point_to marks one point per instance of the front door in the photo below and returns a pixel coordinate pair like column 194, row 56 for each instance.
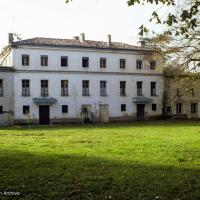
column 44, row 115
column 140, row 112
column 103, row 113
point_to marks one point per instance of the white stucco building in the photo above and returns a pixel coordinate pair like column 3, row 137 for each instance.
column 50, row 81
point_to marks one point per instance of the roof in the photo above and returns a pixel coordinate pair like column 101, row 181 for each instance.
column 76, row 43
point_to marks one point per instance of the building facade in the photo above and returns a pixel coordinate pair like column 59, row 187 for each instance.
column 48, row 81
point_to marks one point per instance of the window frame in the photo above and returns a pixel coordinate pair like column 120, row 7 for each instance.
column 44, row 89
column 139, row 64
column 139, row 89
column 154, row 107
column 85, row 90
column 103, row 63
column 84, row 59
column 122, row 63
column 65, row 109
column 123, row 107
column 103, row 88
column 66, row 61
column 64, row 90
column 179, row 109
column 122, row 88
column 153, row 89
column 25, row 89
column 44, row 61
column 25, row 108
column 25, row 62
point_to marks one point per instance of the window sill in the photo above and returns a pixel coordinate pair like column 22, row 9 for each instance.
column 104, row 95
column 86, row 95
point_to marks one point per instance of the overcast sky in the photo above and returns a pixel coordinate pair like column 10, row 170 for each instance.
column 54, row 18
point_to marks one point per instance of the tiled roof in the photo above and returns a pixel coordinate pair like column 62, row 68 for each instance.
column 76, row 43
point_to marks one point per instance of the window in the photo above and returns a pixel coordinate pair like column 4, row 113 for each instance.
column 193, row 108
column 139, row 64
column 192, row 91
column 103, row 88
column 122, row 88
column 102, row 62
column 178, row 92
column 1, row 109
column 25, row 87
column 64, row 108
column 44, row 88
column 26, row 110
column 154, row 107
column 64, row 61
column 123, row 107
column 64, row 87
column 178, row 108
column 85, row 88
column 44, row 60
column 1, row 87
column 153, row 65
column 153, row 88
column 85, row 62
column 139, row 88
column 25, row 60
column 122, row 63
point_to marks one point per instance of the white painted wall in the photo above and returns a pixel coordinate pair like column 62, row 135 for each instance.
column 75, row 98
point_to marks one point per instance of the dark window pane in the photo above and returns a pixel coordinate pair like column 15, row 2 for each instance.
column 139, row 64
column 102, row 62
column 26, row 110
column 1, row 109
column 85, row 62
column 25, row 60
column 64, row 61
column 123, row 107
column 44, row 60
column 122, row 63
column 64, row 108
column 154, row 107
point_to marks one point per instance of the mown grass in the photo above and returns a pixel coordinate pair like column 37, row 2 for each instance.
column 112, row 161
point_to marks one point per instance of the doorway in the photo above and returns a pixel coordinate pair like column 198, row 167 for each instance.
column 104, row 113
column 140, row 112
column 44, row 115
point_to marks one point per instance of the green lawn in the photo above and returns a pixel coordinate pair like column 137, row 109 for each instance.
column 113, row 161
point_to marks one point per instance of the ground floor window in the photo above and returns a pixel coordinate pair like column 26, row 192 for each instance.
column 26, row 110
column 64, row 108
column 123, row 107
column 178, row 108
column 1, row 109
column 193, row 108
column 154, row 107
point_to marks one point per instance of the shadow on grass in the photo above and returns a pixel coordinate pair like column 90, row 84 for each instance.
column 81, row 177
column 158, row 123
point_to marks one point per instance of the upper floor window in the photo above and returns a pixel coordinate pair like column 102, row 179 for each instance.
column 153, row 88
column 1, row 109
column 122, row 88
column 85, row 88
column 44, row 60
column 102, row 62
column 26, row 110
column 25, row 60
column 122, row 63
column 103, row 88
column 85, row 62
column 25, row 87
column 139, row 88
column 64, row 87
column 64, row 61
column 1, row 87
column 139, row 64
column 153, row 65
column 44, row 88
column 178, row 108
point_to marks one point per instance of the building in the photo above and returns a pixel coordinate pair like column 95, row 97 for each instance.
column 48, row 81
column 181, row 95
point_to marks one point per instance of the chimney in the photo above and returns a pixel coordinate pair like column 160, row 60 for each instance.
column 82, row 37
column 10, row 38
column 109, row 41
column 76, row 38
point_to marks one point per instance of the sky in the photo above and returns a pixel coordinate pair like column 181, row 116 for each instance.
column 56, row 19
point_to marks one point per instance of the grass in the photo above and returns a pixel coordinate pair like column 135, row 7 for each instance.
column 112, row 161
